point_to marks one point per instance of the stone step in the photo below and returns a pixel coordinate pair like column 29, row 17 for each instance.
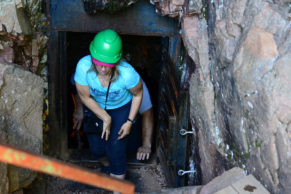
column 248, row 184
column 227, row 178
column 233, row 181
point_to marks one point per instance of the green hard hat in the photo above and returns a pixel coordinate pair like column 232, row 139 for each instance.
column 106, row 46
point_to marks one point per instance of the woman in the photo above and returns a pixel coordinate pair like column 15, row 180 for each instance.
column 112, row 90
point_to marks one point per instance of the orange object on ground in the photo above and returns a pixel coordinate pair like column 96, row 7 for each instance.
column 68, row 171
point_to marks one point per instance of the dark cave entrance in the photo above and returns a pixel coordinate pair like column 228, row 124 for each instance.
column 153, row 45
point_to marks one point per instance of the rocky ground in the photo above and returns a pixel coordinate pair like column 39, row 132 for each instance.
column 146, row 177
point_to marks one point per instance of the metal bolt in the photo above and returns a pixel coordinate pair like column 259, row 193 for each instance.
column 184, row 132
column 182, row 172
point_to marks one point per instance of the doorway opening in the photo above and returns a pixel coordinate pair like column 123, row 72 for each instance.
column 152, row 44
column 157, row 59
column 144, row 53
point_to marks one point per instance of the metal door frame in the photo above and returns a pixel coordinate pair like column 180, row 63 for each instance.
column 66, row 16
column 172, row 147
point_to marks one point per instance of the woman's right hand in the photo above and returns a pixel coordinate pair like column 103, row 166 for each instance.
column 106, row 127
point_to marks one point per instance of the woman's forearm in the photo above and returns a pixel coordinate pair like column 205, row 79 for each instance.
column 84, row 94
column 135, row 104
column 147, row 127
column 95, row 108
column 137, row 92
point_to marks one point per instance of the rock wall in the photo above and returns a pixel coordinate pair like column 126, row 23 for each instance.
column 250, row 47
column 21, row 103
column 4, row 183
column 174, row 8
column 93, row 7
column 241, row 89
column 22, row 34
column 252, row 89
column 22, row 42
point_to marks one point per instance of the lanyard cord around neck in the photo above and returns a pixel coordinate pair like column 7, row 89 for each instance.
column 108, row 90
column 108, row 86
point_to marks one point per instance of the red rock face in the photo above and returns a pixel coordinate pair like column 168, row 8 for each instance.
column 240, row 98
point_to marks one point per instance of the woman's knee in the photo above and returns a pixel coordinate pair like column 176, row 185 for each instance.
column 117, row 149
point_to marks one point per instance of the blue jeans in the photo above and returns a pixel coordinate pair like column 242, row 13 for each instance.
column 114, row 149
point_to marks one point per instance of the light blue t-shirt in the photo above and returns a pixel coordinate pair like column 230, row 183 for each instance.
column 119, row 93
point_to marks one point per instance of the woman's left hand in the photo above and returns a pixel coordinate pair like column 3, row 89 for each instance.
column 124, row 130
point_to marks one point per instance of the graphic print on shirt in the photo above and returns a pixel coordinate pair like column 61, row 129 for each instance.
column 115, row 94
column 97, row 93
